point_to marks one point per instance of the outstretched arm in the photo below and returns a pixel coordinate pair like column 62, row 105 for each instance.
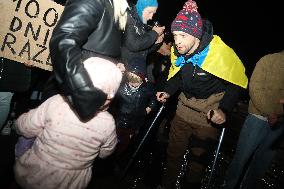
column 77, row 21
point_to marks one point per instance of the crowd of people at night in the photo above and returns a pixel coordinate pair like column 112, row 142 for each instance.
column 112, row 71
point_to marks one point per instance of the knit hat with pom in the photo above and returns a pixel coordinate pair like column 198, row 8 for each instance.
column 188, row 20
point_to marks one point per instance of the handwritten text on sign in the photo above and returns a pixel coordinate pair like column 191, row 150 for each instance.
column 26, row 30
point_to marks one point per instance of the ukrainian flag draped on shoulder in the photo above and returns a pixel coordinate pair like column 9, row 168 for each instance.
column 217, row 59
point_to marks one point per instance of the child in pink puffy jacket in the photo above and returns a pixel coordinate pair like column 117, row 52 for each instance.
column 62, row 154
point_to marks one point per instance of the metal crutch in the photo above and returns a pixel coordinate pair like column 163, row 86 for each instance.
column 142, row 141
column 215, row 158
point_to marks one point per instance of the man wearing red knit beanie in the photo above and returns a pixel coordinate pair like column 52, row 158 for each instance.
column 210, row 77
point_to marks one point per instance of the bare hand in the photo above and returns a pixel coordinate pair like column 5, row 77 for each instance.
column 28, row 64
column 162, row 96
column 121, row 67
column 159, row 29
column 165, row 49
column 219, row 117
column 160, row 39
column 148, row 110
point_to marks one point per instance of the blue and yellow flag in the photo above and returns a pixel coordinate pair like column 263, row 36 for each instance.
column 217, row 59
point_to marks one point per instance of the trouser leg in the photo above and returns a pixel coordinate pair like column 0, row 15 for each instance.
column 263, row 156
column 178, row 142
column 249, row 139
column 202, row 144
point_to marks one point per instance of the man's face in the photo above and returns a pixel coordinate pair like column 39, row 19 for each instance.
column 185, row 43
column 148, row 13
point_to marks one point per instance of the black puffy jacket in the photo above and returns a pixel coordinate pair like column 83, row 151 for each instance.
column 84, row 26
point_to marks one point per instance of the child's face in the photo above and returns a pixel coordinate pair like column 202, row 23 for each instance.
column 134, row 84
column 133, row 80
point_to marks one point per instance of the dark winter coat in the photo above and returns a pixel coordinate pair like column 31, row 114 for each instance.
column 138, row 39
column 86, row 28
column 129, row 107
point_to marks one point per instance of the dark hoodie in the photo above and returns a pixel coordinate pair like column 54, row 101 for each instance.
column 195, row 82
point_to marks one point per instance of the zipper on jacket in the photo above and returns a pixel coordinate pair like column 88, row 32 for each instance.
column 194, row 71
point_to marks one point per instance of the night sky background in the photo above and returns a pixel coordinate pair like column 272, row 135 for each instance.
column 252, row 28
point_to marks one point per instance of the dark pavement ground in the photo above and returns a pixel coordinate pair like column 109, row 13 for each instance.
column 145, row 172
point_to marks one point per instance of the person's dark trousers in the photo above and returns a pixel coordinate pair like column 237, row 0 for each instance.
column 202, row 141
column 255, row 149
column 263, row 156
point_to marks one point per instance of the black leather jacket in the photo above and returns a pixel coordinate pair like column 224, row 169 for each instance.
column 85, row 26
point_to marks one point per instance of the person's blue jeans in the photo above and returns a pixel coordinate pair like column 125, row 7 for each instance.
column 255, row 151
column 5, row 102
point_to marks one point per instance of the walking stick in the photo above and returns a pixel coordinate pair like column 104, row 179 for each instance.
column 142, row 141
column 215, row 158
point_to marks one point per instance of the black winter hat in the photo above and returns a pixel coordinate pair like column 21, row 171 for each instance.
column 137, row 65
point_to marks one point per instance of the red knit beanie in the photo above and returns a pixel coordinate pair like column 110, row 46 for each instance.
column 188, row 20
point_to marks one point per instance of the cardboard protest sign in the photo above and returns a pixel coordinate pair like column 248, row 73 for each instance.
column 26, row 28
